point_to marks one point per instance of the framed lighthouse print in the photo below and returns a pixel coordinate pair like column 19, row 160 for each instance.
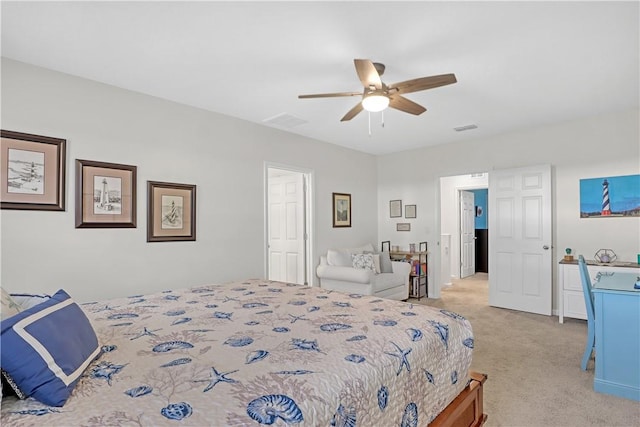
column 171, row 212
column 610, row 197
column 32, row 172
column 105, row 195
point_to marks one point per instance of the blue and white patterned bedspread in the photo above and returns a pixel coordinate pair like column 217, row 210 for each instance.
column 263, row 353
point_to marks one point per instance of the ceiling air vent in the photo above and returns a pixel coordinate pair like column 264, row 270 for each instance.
column 466, row 127
column 285, row 120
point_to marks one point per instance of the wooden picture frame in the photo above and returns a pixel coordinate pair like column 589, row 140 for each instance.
column 395, row 208
column 403, row 226
column 341, row 210
column 410, row 211
column 171, row 212
column 32, row 176
column 105, row 195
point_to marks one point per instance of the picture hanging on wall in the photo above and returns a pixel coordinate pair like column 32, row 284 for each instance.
column 105, row 195
column 341, row 210
column 403, row 226
column 171, row 212
column 410, row 211
column 395, row 208
column 610, row 197
column 33, row 172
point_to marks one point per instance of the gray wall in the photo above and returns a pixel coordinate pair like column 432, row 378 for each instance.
column 599, row 146
column 223, row 156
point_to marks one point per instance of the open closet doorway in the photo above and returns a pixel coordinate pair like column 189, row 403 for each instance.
column 288, row 223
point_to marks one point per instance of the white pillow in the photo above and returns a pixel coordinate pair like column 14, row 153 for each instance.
column 8, row 307
column 339, row 258
column 376, row 262
column 363, row 262
column 26, row 301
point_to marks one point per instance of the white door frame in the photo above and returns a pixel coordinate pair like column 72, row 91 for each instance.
column 308, row 216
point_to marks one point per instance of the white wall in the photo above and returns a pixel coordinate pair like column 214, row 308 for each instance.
column 223, row 156
column 599, row 146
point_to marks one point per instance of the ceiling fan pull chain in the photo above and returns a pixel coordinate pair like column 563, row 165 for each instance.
column 382, row 121
column 369, row 123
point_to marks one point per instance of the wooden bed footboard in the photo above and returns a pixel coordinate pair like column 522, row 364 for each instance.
column 466, row 410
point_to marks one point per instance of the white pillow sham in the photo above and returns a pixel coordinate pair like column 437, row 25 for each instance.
column 8, row 307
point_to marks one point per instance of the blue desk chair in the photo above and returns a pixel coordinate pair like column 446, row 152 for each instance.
column 588, row 302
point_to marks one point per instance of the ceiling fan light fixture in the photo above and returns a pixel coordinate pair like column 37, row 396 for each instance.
column 375, row 102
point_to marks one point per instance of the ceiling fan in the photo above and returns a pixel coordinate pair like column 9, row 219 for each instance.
column 377, row 96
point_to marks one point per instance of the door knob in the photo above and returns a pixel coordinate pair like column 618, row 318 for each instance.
column 545, row 247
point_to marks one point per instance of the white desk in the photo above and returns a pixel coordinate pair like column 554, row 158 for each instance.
column 570, row 296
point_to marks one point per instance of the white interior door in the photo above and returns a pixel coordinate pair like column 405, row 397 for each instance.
column 467, row 234
column 520, row 256
column 286, row 222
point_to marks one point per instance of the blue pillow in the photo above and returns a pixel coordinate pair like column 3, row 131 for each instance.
column 46, row 348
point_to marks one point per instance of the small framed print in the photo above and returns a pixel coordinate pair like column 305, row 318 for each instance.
column 403, row 226
column 341, row 210
column 410, row 211
column 395, row 208
column 33, row 172
column 171, row 210
column 386, row 246
column 105, row 195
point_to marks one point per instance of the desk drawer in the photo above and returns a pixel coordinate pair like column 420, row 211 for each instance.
column 574, row 305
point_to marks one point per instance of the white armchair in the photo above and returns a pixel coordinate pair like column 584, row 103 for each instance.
column 336, row 272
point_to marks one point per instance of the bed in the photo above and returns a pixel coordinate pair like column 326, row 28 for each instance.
column 267, row 353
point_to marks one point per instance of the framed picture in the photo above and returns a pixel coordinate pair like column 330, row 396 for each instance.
column 171, row 210
column 403, row 226
column 610, row 197
column 341, row 210
column 395, row 208
column 33, row 172
column 423, row 246
column 105, row 195
column 386, row 246
column 410, row 211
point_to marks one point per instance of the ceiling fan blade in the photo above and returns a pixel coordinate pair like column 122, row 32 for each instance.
column 352, row 113
column 367, row 73
column 403, row 104
column 423, row 83
column 330, row 95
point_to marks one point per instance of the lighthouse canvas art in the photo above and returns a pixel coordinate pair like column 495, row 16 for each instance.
column 610, row 197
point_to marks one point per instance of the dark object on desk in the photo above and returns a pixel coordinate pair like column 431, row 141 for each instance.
column 637, row 284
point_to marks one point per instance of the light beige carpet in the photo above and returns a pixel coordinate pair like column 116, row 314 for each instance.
column 533, row 364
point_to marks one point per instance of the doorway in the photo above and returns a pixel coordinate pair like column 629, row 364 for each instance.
column 288, row 223
column 520, row 234
column 458, row 194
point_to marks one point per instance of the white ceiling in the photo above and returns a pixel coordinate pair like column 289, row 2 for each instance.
column 518, row 64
